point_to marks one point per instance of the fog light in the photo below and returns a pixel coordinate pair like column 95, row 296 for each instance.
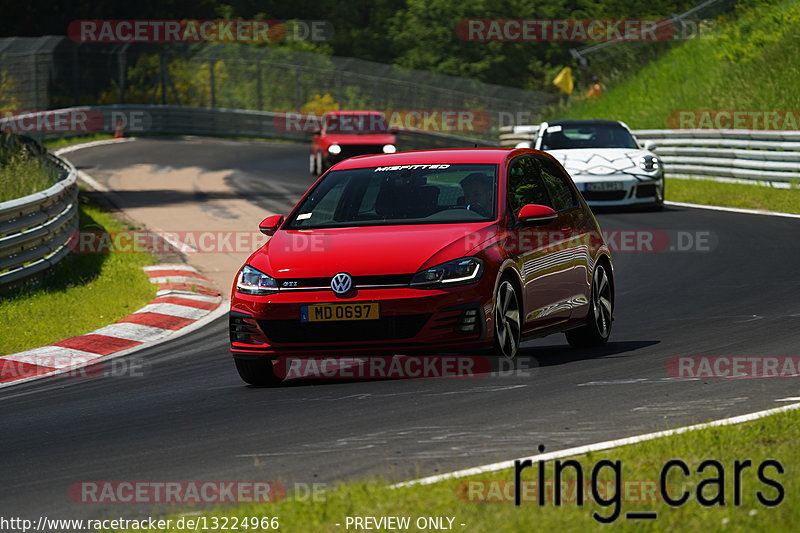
column 244, row 329
column 468, row 322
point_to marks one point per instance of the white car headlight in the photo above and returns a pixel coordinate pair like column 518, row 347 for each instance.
column 459, row 272
column 334, row 149
column 650, row 163
column 389, row 148
column 253, row 281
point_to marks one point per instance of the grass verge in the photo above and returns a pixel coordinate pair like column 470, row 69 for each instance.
column 21, row 175
column 55, row 144
column 774, row 437
column 84, row 292
column 733, row 195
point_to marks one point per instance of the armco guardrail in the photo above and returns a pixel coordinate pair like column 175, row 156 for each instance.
column 179, row 120
column 35, row 230
column 743, row 154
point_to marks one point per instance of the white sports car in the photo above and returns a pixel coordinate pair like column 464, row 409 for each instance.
column 604, row 159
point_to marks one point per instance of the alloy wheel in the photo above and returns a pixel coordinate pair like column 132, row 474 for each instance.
column 507, row 320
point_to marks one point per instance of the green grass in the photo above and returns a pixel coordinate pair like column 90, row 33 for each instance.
column 773, row 437
column 21, row 175
column 733, row 195
column 55, row 144
column 85, row 292
column 749, row 63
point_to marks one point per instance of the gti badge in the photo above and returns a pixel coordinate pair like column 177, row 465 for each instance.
column 341, row 283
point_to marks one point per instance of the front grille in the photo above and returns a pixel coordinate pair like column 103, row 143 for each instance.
column 387, row 328
column 604, row 196
column 647, row 190
column 358, row 281
column 350, row 150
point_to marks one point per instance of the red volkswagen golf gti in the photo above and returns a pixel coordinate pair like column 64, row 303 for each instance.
column 439, row 251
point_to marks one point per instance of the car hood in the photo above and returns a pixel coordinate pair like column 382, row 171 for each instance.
column 601, row 161
column 371, row 138
column 363, row 251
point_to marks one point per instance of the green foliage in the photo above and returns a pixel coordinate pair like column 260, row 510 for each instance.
column 424, row 37
column 320, row 104
column 414, row 33
column 22, row 174
column 750, row 62
column 763, row 26
column 8, row 86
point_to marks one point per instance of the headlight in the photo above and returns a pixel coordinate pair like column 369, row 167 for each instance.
column 459, row 272
column 252, row 281
column 334, row 149
column 649, row 163
column 389, row 148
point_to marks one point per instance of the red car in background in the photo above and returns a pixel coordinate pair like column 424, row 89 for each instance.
column 344, row 134
column 425, row 252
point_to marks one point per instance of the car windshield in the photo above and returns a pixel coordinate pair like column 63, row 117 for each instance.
column 590, row 136
column 401, row 194
column 356, row 123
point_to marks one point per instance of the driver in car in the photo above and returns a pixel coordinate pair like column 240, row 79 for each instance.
column 478, row 193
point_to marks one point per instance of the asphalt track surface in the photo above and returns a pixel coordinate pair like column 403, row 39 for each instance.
column 191, row 418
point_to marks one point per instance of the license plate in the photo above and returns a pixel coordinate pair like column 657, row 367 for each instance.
column 338, row 312
column 605, row 186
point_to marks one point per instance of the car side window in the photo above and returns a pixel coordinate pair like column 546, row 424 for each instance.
column 525, row 185
column 560, row 192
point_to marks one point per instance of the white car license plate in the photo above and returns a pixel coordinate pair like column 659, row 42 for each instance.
column 605, row 186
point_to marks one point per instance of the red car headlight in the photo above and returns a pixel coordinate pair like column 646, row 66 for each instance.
column 458, row 272
column 253, row 281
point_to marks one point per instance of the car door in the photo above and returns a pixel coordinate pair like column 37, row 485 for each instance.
column 573, row 235
column 538, row 250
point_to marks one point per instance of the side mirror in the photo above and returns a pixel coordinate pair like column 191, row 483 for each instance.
column 534, row 214
column 270, row 225
column 649, row 145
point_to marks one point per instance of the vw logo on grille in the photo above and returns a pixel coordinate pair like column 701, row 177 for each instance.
column 341, row 283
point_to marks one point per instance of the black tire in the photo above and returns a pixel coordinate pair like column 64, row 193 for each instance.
column 601, row 313
column 659, row 205
column 312, row 165
column 257, row 371
column 507, row 321
column 320, row 164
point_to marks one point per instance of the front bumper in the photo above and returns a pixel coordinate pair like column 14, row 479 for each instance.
column 412, row 321
column 624, row 190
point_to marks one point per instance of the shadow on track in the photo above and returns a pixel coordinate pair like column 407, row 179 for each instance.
column 562, row 354
column 480, row 365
